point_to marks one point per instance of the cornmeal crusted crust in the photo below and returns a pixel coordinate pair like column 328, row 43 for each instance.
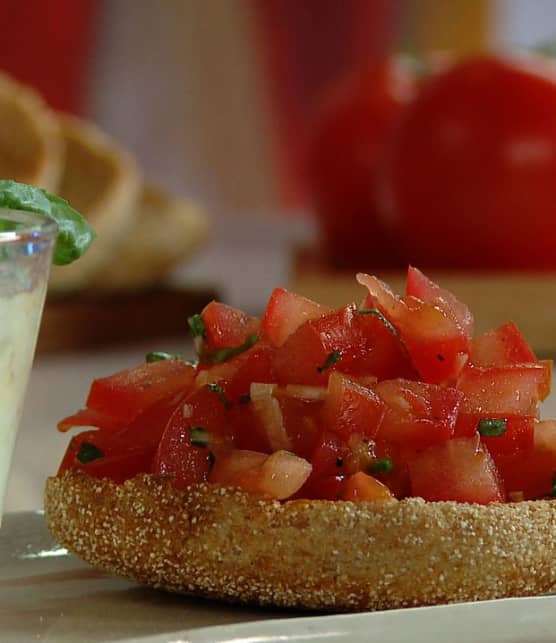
column 224, row 543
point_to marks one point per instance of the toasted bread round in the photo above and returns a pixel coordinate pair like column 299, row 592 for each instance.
column 166, row 231
column 31, row 150
column 227, row 544
column 102, row 182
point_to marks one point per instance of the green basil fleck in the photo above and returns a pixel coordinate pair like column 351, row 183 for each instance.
column 219, row 355
column 216, row 388
column 199, row 436
column 197, row 326
column 492, row 427
column 88, row 452
column 383, row 319
column 158, row 356
column 381, row 465
column 329, row 361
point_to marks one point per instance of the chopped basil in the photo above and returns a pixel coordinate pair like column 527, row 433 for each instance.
column 219, row 355
column 244, row 399
column 158, row 356
column 199, row 436
column 329, row 361
column 381, row 465
column 88, row 452
column 197, row 326
column 216, row 388
column 492, row 427
column 383, row 319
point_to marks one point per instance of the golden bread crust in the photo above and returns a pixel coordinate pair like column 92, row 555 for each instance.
column 227, row 544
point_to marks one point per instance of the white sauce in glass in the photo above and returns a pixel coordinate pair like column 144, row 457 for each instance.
column 20, row 316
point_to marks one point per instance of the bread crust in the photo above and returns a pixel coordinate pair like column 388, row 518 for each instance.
column 227, row 544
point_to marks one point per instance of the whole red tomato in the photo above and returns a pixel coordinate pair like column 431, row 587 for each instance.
column 350, row 132
column 471, row 182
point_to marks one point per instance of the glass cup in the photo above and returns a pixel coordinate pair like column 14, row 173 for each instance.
column 26, row 244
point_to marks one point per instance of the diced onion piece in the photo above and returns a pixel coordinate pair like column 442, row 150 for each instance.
column 283, row 474
column 268, row 411
column 302, row 392
column 237, row 467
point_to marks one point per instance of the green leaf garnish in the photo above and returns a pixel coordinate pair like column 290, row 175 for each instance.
column 329, row 361
column 199, row 436
column 381, row 465
column 381, row 316
column 492, row 427
column 216, row 388
column 158, row 356
column 219, row 355
column 88, row 452
column 197, row 326
column 244, row 399
column 75, row 234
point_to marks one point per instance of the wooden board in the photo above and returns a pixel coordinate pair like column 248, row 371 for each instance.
column 95, row 320
column 529, row 299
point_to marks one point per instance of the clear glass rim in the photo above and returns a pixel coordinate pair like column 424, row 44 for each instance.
column 33, row 226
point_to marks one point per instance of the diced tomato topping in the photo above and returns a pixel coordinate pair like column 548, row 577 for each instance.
column 499, row 390
column 330, row 456
column 437, row 345
column 286, row 312
column 460, row 469
column 88, row 417
column 421, row 287
column 106, row 454
column 418, row 414
column 501, row 346
column 344, row 340
column 227, row 327
column 532, row 473
column 361, row 486
column 351, row 408
column 388, row 400
column 324, row 488
column 125, row 395
column 237, row 467
column 177, row 455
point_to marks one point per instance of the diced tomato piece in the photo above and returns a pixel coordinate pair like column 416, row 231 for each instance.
column 231, row 468
column 227, row 327
column 418, row 415
column 361, row 486
column 322, row 488
column 358, row 344
column 330, row 456
column 500, row 347
column 351, row 408
column 437, row 345
column 460, row 469
column 302, row 421
column 88, row 417
column 517, row 438
column 421, row 287
column 532, row 473
column 120, row 457
column 255, row 365
column 125, row 395
column 176, row 456
column 501, row 390
column 279, row 475
column 285, row 312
